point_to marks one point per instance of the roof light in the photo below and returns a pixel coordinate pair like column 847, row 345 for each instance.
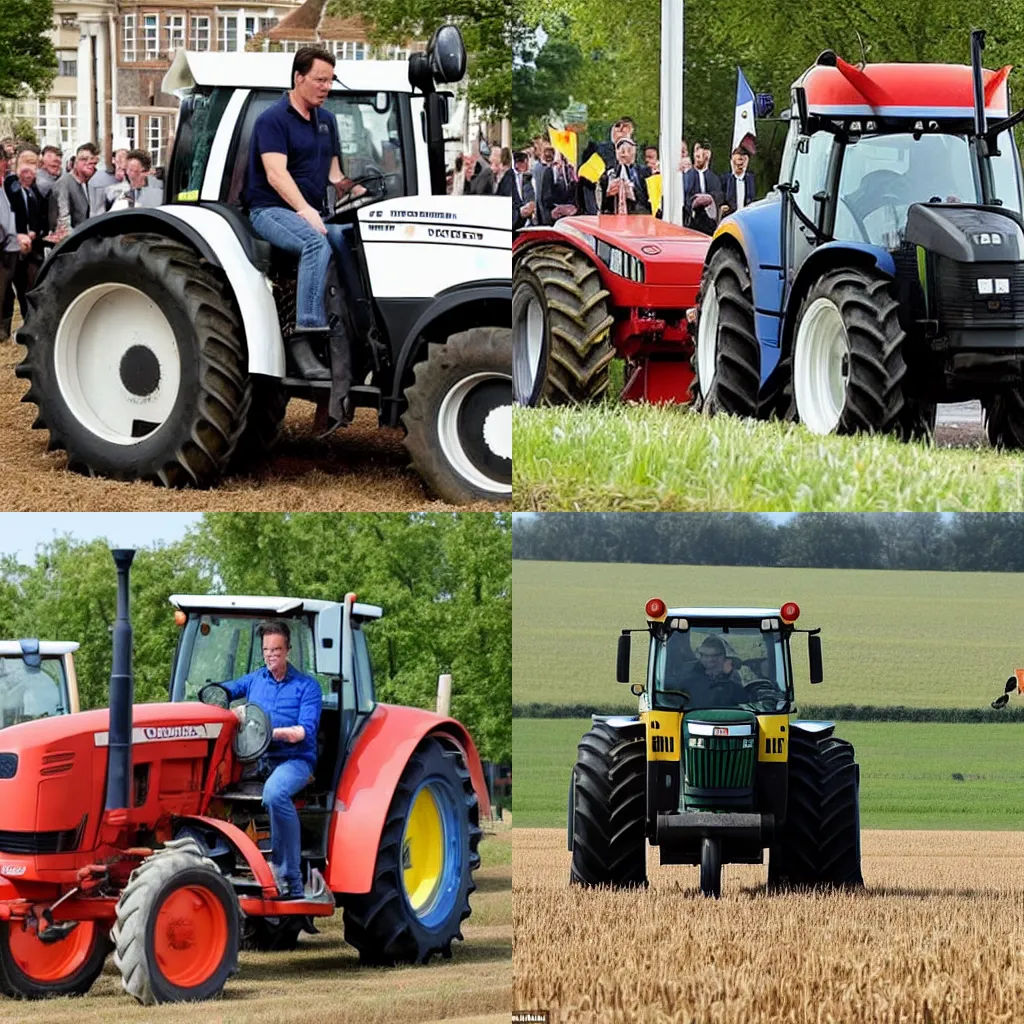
column 789, row 612
column 180, row 618
column 656, row 609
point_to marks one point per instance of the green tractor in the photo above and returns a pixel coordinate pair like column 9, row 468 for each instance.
column 715, row 768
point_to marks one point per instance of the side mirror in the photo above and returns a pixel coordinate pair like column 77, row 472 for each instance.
column 447, row 55
column 800, row 95
column 622, row 662
column 814, row 657
column 637, row 689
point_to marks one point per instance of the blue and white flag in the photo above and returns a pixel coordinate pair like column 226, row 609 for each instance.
column 744, row 131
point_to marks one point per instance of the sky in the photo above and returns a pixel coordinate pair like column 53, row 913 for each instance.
column 21, row 532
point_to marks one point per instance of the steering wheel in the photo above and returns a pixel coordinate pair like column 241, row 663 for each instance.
column 760, row 686
column 375, row 183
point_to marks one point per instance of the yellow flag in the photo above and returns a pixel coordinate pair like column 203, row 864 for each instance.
column 593, row 168
column 564, row 142
column 654, row 191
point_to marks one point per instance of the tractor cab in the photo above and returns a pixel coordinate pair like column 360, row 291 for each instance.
column 37, row 680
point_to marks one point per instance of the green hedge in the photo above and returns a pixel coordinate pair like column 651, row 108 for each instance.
column 831, row 712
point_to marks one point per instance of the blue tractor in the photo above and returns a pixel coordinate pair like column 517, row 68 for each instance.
column 883, row 274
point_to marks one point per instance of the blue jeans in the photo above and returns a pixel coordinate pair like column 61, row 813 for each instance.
column 286, row 230
column 287, row 778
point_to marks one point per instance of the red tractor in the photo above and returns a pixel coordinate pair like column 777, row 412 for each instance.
column 140, row 830
column 587, row 289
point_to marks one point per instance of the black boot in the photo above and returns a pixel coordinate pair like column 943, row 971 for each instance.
column 304, row 357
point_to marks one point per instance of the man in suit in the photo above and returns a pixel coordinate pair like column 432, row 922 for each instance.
column 738, row 188
column 524, row 206
column 135, row 190
column 31, row 218
column 69, row 199
column 703, row 192
column 624, row 184
column 558, row 190
column 51, row 165
column 501, row 168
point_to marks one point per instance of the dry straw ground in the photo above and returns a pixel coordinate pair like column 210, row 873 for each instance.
column 357, row 469
column 936, row 937
column 322, row 982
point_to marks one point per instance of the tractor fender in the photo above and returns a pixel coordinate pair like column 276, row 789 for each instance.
column 813, row 728
column 216, row 239
column 446, row 313
column 371, row 774
column 242, row 844
column 827, row 257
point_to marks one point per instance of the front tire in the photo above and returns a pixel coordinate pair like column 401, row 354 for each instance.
column 459, row 419
column 848, row 365
column 136, row 360
column 727, row 359
column 575, row 353
column 1004, row 419
column 30, row 969
column 609, row 844
column 423, row 877
column 177, row 929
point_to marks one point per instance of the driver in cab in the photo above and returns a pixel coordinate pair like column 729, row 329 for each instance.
column 713, row 681
column 292, row 702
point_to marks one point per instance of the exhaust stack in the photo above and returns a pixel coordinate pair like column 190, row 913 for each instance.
column 119, row 755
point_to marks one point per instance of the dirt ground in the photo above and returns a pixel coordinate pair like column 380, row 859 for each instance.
column 359, row 469
column 934, row 938
column 322, row 982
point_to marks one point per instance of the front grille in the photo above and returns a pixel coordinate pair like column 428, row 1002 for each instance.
column 63, row 841
column 8, row 766
column 961, row 305
column 722, row 763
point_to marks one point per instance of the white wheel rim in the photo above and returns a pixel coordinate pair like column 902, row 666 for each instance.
column 117, row 363
column 820, row 367
column 495, row 433
column 707, row 339
column 527, row 346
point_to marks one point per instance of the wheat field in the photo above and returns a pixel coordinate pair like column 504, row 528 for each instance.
column 935, row 937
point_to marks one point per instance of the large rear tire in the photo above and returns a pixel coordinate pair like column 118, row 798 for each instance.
column 820, row 842
column 423, row 876
column 177, row 931
column 608, row 807
column 1004, row 419
column 848, row 365
column 727, row 357
column 30, row 969
column 459, row 419
column 263, row 424
column 136, row 360
column 574, row 349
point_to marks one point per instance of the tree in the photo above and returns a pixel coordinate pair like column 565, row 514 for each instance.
column 486, row 27
column 542, row 78
column 27, row 58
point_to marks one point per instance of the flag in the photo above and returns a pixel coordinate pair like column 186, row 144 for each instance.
column 593, row 164
column 564, row 142
column 744, row 131
column 654, row 192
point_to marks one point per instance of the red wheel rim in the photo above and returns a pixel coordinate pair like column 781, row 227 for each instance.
column 51, row 962
column 190, row 936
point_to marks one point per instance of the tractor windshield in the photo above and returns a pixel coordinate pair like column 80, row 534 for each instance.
column 721, row 666
column 219, row 648
column 27, row 693
column 882, row 175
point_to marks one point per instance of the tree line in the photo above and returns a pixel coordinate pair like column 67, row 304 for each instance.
column 963, row 542
column 443, row 580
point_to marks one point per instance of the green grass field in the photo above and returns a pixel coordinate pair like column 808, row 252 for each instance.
column 906, row 773
column 921, row 639
column 645, row 458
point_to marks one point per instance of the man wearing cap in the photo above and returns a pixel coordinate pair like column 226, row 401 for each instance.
column 622, row 186
column 713, row 680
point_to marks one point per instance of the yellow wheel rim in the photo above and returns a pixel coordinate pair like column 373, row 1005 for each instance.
column 423, row 851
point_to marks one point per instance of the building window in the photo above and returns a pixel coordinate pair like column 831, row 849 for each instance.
column 154, row 139
column 131, row 132
column 289, row 46
column 266, row 24
column 69, row 21
column 66, row 122
column 67, row 63
column 350, row 51
column 175, row 33
column 200, row 33
column 250, row 28
column 395, row 53
column 151, row 35
column 227, row 37
column 129, row 38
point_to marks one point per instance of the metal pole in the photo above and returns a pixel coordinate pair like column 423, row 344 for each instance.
column 671, row 121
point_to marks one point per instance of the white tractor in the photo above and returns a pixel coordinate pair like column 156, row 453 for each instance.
column 37, row 680
column 156, row 337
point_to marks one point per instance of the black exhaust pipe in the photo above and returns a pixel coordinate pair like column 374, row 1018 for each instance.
column 988, row 188
column 119, row 753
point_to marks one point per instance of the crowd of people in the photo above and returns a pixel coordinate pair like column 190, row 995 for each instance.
column 43, row 198
column 614, row 175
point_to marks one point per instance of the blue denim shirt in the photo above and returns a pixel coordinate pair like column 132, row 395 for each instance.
column 296, row 700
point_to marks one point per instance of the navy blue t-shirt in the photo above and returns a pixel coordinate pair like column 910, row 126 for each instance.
column 308, row 145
